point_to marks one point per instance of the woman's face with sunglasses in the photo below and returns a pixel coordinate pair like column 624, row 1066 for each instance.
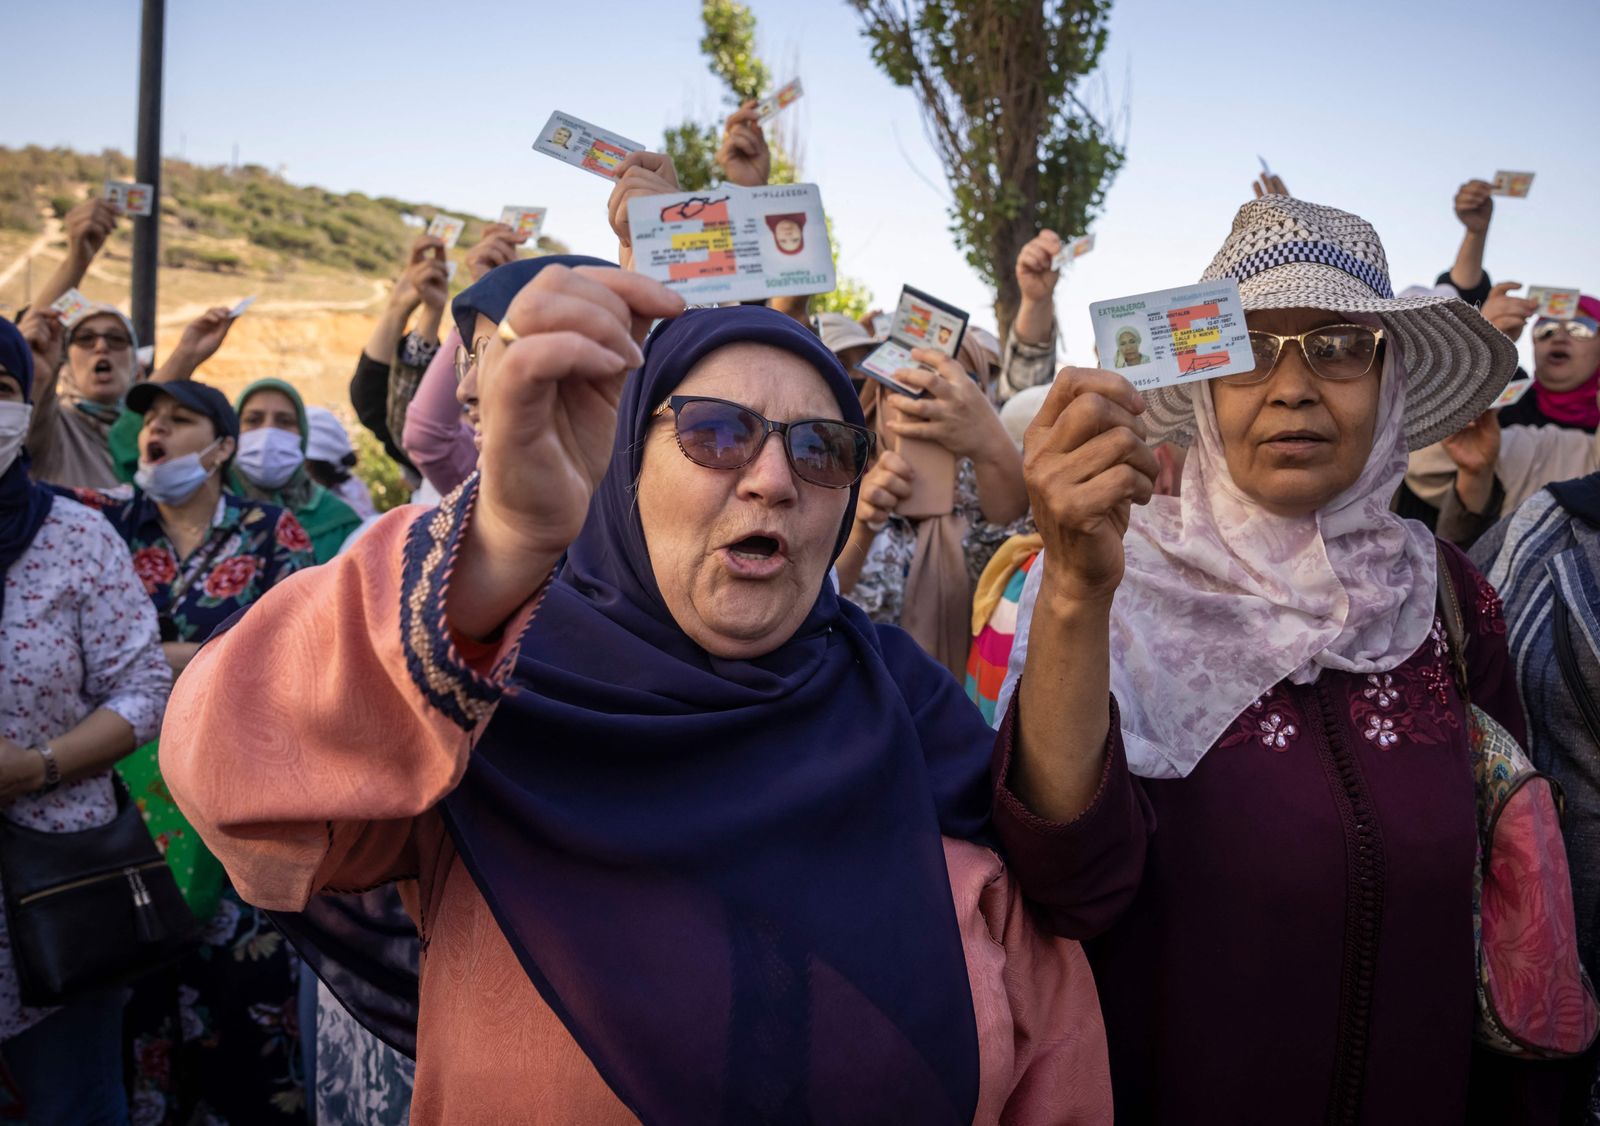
column 1565, row 353
column 740, row 553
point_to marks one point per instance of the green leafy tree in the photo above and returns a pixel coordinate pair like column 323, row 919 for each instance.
column 729, row 45
column 998, row 82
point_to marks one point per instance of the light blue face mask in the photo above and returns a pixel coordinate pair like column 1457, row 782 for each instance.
column 175, row 480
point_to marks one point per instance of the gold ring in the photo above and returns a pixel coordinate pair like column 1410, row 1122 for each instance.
column 506, row 332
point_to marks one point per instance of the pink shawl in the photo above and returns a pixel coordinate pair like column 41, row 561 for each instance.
column 1222, row 600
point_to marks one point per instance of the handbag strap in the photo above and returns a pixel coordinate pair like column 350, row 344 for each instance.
column 1455, row 629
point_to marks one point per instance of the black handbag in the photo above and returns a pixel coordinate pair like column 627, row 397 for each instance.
column 91, row 909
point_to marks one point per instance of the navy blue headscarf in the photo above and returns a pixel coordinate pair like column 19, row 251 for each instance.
column 491, row 294
column 23, row 505
column 726, row 877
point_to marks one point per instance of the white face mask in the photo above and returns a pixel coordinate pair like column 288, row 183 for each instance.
column 175, row 480
column 268, row 457
column 14, row 419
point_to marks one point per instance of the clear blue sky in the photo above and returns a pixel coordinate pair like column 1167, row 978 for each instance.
column 1379, row 106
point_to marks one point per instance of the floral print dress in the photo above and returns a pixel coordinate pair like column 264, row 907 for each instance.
column 216, row 1041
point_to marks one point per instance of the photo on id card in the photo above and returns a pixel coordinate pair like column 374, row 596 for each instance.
column 920, row 321
column 1172, row 336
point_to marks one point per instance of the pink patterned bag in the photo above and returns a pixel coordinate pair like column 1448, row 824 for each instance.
column 1534, row 998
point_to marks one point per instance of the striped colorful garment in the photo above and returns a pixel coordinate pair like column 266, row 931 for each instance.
column 994, row 619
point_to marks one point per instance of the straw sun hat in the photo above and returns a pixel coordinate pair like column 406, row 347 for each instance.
column 1286, row 253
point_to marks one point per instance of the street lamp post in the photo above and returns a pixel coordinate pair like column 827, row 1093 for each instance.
column 147, row 170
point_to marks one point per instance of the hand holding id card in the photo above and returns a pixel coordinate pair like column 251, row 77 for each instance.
column 1557, row 304
column 1514, row 184
column 1072, row 251
column 447, row 229
column 1174, row 336
column 734, row 244
column 574, row 141
column 71, row 305
column 771, row 106
column 525, row 222
column 920, row 321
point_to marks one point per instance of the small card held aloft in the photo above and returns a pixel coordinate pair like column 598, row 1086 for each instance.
column 129, row 198
column 920, row 321
column 734, row 244
column 527, row 222
column 1174, row 336
column 446, row 228
column 1514, row 391
column 1072, row 250
column 1559, row 304
column 71, row 305
column 576, row 142
column 1512, row 183
column 775, row 104
column 241, row 307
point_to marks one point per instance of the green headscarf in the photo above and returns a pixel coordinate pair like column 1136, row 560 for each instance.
column 326, row 519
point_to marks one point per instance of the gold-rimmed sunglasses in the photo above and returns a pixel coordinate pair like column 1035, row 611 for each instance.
column 1333, row 352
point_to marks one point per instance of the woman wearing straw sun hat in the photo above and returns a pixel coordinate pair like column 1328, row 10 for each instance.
column 1279, row 849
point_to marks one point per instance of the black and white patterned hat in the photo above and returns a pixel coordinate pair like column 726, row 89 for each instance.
column 1286, row 253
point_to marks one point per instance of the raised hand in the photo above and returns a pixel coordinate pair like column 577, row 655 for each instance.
column 886, row 484
column 953, row 411
column 641, row 174
column 548, row 403
column 1086, row 464
column 424, row 269
column 497, row 246
column 45, row 333
column 1507, row 313
column 1475, row 206
column 88, row 226
column 744, row 156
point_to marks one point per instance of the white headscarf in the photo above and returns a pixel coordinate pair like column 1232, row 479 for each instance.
column 1221, row 599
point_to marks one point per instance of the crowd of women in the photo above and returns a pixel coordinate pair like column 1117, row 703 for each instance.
column 654, row 766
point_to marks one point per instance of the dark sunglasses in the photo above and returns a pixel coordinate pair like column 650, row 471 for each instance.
column 1337, row 352
column 1579, row 328
column 722, row 435
column 115, row 341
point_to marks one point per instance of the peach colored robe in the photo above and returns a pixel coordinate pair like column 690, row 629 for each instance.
column 310, row 757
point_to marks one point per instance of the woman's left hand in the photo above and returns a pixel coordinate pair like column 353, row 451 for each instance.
column 21, row 770
column 953, row 411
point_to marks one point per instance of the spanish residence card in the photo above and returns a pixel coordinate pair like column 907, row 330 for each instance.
column 447, row 229
column 71, row 305
column 526, row 222
column 734, row 244
column 920, row 321
column 1174, row 336
column 129, row 198
column 775, row 104
column 1558, row 304
column 1511, row 183
column 1072, row 251
column 576, row 142
column 1514, row 391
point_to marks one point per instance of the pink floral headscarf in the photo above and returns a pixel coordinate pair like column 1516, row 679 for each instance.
column 1221, row 599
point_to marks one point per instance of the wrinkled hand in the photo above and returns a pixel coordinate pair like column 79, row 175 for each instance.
column 549, row 401
column 744, row 156
column 21, row 770
column 641, row 174
column 886, row 484
column 496, row 247
column 88, row 226
column 954, row 412
column 1086, row 464
column 1269, row 183
column 45, row 333
column 1476, row 447
column 1475, row 206
column 1036, row 276
column 1507, row 313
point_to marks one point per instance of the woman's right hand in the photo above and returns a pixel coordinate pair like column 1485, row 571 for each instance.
column 549, row 411
column 1086, row 464
column 886, row 484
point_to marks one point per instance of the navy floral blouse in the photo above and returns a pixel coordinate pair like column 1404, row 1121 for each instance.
column 252, row 547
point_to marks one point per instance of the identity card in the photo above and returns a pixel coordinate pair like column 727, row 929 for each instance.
column 240, row 307
column 1558, row 304
column 526, row 222
column 585, row 146
column 1512, row 183
column 129, row 198
column 1072, row 250
column 734, row 244
column 1514, row 391
column 446, row 228
column 775, row 104
column 71, row 305
column 920, row 321
column 1174, row 336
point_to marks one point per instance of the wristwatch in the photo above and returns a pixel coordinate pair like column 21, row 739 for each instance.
column 52, row 769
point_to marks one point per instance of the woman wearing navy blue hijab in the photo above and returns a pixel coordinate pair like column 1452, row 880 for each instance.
column 687, row 837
